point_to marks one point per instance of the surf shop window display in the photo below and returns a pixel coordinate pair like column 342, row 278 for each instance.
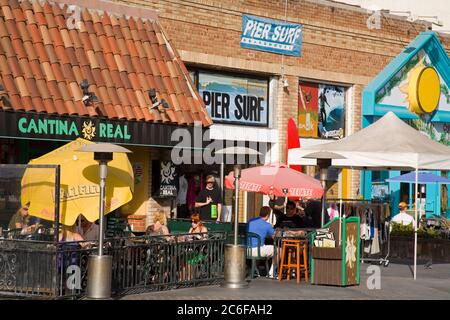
column 234, row 99
column 321, row 110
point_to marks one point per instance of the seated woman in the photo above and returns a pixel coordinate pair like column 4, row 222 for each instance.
column 158, row 227
column 197, row 227
column 19, row 219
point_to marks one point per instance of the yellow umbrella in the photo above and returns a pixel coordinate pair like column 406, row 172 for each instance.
column 80, row 188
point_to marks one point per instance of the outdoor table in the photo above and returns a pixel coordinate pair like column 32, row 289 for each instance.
column 288, row 234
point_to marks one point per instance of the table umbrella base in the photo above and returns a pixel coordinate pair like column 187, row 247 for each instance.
column 235, row 267
column 99, row 277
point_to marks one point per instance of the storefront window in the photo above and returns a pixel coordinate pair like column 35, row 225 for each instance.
column 321, row 110
column 234, row 99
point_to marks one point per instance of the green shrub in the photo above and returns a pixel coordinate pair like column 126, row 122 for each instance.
column 408, row 231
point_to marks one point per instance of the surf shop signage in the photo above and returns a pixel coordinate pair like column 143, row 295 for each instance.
column 56, row 128
column 234, row 99
column 271, row 35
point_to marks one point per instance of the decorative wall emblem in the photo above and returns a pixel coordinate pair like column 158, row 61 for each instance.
column 88, row 130
column 167, row 172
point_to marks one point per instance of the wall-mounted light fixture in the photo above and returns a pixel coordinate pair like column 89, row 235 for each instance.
column 88, row 97
column 4, row 98
column 155, row 102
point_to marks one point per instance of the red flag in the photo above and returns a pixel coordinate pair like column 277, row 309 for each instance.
column 293, row 141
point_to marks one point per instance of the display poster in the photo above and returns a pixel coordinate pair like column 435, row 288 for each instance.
column 138, row 172
column 308, row 95
column 321, row 110
column 380, row 192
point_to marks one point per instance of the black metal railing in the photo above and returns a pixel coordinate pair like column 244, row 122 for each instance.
column 27, row 268
column 140, row 264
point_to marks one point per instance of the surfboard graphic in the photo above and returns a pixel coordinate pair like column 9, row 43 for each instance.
column 292, row 141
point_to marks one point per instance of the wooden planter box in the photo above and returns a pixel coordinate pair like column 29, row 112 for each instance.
column 402, row 248
column 338, row 266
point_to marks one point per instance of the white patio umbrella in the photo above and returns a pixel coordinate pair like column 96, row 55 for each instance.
column 387, row 144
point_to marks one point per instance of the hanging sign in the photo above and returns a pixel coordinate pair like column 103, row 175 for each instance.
column 168, row 186
column 271, row 35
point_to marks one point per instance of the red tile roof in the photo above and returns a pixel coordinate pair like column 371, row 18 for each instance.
column 42, row 63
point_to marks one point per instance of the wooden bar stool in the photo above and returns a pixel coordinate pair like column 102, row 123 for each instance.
column 294, row 249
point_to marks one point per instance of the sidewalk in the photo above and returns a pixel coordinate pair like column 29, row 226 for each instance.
column 396, row 283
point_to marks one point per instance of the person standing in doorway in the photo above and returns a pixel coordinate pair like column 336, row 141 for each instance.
column 209, row 201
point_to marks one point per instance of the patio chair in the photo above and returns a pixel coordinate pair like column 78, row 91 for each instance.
column 257, row 257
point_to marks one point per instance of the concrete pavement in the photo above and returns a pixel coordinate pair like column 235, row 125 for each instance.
column 396, row 283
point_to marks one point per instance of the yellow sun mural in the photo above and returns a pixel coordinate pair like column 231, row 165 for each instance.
column 422, row 89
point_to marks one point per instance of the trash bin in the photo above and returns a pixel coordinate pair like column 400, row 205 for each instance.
column 338, row 266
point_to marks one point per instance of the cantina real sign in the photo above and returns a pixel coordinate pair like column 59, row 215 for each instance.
column 70, row 128
column 40, row 126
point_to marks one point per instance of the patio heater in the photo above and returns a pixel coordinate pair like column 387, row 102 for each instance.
column 324, row 162
column 235, row 264
column 100, row 265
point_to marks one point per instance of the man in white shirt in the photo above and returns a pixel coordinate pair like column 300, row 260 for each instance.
column 403, row 218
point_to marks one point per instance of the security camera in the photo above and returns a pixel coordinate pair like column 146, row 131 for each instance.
column 85, row 99
column 285, row 83
column 411, row 18
column 439, row 23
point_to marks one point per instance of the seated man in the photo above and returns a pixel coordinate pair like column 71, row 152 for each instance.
column 305, row 221
column 291, row 219
column 263, row 229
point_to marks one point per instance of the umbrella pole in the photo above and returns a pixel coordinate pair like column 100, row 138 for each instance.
column 103, row 173
column 222, row 179
column 415, row 225
column 323, row 180
column 340, row 223
column 57, row 200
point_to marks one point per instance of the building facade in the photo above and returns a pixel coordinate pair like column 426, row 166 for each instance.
column 343, row 48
